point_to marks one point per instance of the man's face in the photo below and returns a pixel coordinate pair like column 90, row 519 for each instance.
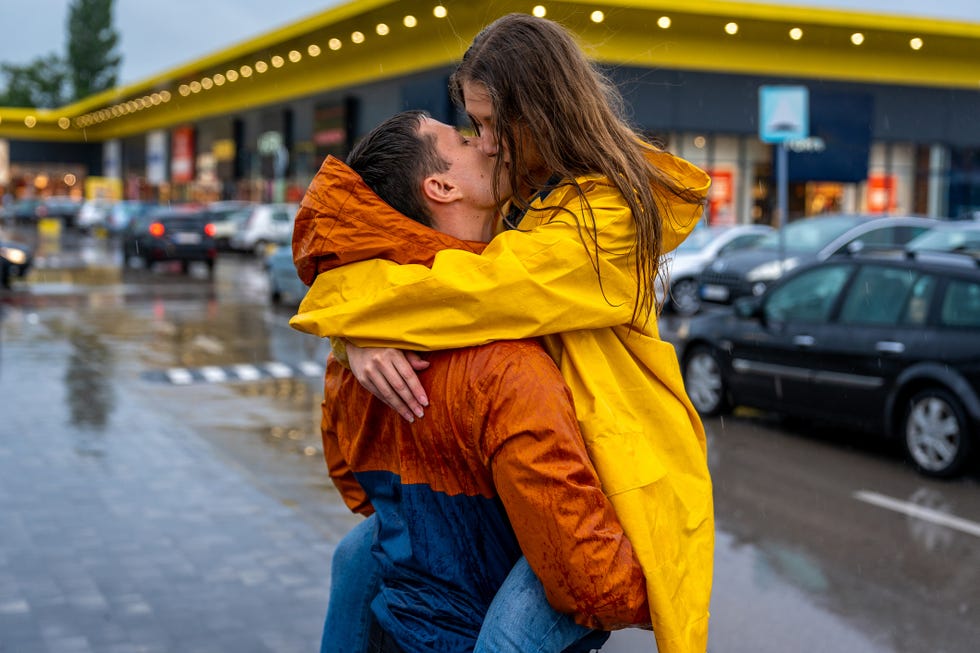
column 470, row 170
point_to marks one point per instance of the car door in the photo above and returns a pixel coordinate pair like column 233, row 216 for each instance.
column 773, row 364
column 881, row 328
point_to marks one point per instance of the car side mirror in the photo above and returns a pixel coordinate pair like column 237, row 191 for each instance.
column 749, row 307
column 855, row 247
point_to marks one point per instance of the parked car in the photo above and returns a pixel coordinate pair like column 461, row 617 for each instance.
column 748, row 272
column 285, row 286
column 172, row 234
column 228, row 217
column 60, row 206
column 961, row 237
column 265, row 225
column 890, row 345
column 24, row 210
column 93, row 214
column 684, row 264
column 124, row 211
column 15, row 260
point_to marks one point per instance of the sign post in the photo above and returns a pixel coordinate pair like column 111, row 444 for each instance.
column 784, row 115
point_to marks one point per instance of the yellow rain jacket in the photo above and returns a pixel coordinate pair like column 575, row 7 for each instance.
column 642, row 433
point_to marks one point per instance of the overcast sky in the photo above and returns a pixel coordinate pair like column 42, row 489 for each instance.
column 157, row 36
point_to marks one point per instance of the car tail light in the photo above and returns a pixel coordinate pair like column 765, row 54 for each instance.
column 209, row 229
column 157, row 229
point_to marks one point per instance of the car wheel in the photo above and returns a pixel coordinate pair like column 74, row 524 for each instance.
column 210, row 266
column 261, row 248
column 937, row 433
column 684, row 297
column 185, row 267
column 705, row 383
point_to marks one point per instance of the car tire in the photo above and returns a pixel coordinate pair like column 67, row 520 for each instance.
column 261, row 248
column 705, row 382
column 936, row 433
column 685, row 298
column 185, row 267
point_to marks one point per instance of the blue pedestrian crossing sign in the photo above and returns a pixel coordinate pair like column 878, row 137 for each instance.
column 784, row 113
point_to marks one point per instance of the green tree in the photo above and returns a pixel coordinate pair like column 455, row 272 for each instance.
column 93, row 61
column 41, row 83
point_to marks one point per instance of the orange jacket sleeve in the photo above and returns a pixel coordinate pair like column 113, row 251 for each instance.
column 566, row 526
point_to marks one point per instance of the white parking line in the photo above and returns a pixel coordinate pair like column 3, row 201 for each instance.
column 913, row 510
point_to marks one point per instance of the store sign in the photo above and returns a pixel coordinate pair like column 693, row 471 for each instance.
column 721, row 197
column 4, row 162
column 882, row 197
column 182, row 155
column 783, row 113
column 112, row 159
column 839, row 143
column 156, row 157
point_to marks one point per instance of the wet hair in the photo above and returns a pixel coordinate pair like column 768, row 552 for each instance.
column 394, row 158
column 542, row 85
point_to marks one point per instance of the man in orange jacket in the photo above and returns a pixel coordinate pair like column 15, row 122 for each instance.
column 497, row 467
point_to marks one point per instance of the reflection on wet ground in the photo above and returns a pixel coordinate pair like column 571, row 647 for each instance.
column 803, row 563
column 866, row 579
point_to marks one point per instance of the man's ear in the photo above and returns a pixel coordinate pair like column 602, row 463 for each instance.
column 439, row 189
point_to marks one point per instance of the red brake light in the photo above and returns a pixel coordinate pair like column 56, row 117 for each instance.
column 209, row 229
column 157, row 229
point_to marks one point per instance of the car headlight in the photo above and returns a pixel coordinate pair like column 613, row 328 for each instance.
column 14, row 255
column 772, row 270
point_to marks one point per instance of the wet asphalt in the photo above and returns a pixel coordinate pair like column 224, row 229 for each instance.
column 162, row 489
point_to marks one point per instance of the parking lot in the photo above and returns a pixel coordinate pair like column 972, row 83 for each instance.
column 162, row 488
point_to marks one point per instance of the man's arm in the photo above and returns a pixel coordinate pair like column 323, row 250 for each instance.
column 566, row 526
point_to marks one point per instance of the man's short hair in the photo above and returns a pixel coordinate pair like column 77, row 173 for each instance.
column 394, row 158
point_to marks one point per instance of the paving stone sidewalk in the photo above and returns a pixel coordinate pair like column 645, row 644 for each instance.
column 136, row 537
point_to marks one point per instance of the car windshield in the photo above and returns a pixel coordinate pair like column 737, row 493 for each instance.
column 958, row 239
column 810, row 235
column 698, row 240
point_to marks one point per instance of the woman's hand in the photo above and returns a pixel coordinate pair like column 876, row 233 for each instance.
column 390, row 375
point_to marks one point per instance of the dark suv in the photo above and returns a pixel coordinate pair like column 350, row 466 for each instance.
column 170, row 235
column 886, row 344
column 746, row 273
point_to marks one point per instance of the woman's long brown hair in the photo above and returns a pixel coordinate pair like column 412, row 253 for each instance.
column 542, row 86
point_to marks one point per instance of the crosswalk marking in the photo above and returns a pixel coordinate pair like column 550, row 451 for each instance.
column 213, row 374
column 179, row 376
column 236, row 373
column 279, row 370
column 247, row 372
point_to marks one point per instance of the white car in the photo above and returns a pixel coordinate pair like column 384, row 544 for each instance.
column 266, row 224
column 93, row 214
column 684, row 264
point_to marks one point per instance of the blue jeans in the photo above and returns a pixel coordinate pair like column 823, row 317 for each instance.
column 354, row 580
column 519, row 619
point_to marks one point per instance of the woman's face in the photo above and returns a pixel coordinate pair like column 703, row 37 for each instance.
column 479, row 107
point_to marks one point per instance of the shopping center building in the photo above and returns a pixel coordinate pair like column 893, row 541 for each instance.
column 893, row 103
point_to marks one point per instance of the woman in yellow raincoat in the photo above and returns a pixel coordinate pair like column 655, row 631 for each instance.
column 595, row 207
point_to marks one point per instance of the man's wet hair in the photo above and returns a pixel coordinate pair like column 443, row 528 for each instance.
column 394, row 158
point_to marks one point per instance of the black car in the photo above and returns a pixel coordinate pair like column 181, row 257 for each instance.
column 170, row 235
column 15, row 261
column 888, row 345
column 746, row 273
